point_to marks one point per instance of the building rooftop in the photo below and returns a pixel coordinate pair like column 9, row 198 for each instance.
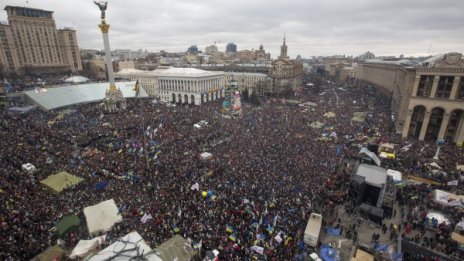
column 398, row 62
column 186, row 72
column 373, row 175
column 245, row 74
column 28, row 12
column 57, row 97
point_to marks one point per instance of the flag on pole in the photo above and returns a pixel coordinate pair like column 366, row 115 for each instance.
column 195, row 186
column 233, row 237
column 145, row 218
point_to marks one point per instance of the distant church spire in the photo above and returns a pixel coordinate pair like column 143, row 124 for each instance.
column 283, row 50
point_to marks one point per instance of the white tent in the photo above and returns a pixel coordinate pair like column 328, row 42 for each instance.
column 206, row 155
column 438, row 216
column 76, row 79
column 329, row 114
column 28, row 168
column 316, row 125
column 102, row 216
column 447, row 198
column 308, row 104
column 396, row 175
column 177, row 248
column 86, row 246
column 370, row 154
column 128, row 247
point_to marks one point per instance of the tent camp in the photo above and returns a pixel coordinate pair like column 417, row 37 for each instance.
column 68, row 224
column 329, row 114
column 308, row 104
column 396, row 175
column 447, row 198
column 53, row 253
column 316, row 125
column 176, row 248
column 439, row 217
column 28, row 168
column 362, row 256
column 206, row 155
column 84, row 247
column 359, row 116
column 371, row 155
column 60, row 181
column 130, row 247
column 102, row 216
column 77, row 79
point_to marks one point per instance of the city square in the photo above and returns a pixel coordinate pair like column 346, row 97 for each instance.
column 224, row 155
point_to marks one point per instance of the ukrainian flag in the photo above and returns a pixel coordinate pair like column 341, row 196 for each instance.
column 288, row 240
column 233, row 237
column 229, row 229
column 176, row 230
column 270, row 229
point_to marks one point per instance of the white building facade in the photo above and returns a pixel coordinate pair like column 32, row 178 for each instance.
column 147, row 79
column 190, row 86
column 246, row 80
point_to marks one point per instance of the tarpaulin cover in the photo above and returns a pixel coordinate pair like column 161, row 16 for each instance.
column 447, row 198
column 85, row 246
column 130, row 247
column 370, row 154
column 60, row 181
column 50, row 254
column 328, row 253
column 206, row 155
column 396, row 175
column 316, row 125
column 333, row 231
column 102, row 216
column 176, row 248
column 68, row 224
column 329, row 114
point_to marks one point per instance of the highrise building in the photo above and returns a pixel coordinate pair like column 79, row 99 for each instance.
column 211, row 50
column 231, row 48
column 193, row 49
column 30, row 43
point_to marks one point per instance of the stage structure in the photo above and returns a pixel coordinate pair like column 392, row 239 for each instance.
column 367, row 193
column 114, row 100
column 232, row 104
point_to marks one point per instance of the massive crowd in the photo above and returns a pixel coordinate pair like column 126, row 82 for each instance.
column 269, row 171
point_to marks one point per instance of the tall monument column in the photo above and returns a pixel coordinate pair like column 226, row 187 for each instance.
column 114, row 100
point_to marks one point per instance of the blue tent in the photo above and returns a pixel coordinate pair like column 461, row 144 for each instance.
column 328, row 253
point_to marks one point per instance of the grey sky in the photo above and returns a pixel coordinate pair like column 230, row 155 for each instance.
column 324, row 27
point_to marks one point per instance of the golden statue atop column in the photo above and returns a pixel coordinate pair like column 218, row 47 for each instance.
column 114, row 100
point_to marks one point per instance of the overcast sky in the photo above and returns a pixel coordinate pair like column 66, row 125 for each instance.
column 324, row 27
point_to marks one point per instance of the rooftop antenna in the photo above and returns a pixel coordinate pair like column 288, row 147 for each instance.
column 430, row 48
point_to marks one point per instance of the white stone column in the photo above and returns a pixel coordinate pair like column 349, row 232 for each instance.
column 455, row 87
column 104, row 27
column 415, row 86
column 436, row 79
column 444, row 125
column 459, row 136
column 425, row 124
column 407, row 124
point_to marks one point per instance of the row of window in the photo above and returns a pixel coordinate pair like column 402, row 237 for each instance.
column 189, row 85
column 444, row 87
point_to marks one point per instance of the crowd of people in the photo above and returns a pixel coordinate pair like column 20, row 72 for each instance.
column 269, row 171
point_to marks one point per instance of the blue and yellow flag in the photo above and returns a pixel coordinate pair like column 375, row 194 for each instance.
column 233, row 237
